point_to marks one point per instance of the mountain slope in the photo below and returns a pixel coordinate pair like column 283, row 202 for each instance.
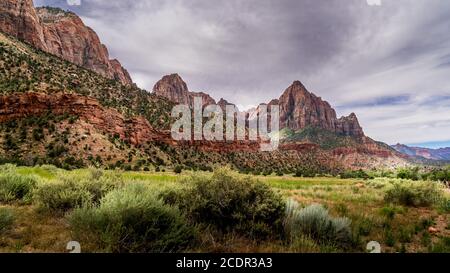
column 60, row 33
column 25, row 69
column 418, row 152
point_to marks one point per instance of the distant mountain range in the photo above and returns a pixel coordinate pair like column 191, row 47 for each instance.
column 442, row 154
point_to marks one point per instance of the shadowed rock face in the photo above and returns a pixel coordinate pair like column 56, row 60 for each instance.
column 60, row 33
column 300, row 109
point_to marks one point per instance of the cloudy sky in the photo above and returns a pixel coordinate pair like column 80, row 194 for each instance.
column 389, row 64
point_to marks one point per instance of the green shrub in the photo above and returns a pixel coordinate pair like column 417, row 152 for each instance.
column 439, row 174
column 132, row 219
column 101, row 185
column 315, row 222
column 389, row 237
column 61, row 196
column 6, row 219
column 405, row 235
column 305, row 172
column 74, row 192
column 230, row 202
column 356, row 174
column 412, row 174
column 178, row 169
column 416, row 194
column 15, row 187
column 365, row 226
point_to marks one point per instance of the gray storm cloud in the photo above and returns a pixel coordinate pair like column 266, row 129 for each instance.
column 360, row 58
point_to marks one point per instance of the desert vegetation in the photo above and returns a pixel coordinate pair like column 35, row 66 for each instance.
column 44, row 207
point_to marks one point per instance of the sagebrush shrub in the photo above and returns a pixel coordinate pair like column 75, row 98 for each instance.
column 6, row 219
column 99, row 185
column 315, row 222
column 417, row 194
column 61, row 196
column 132, row 219
column 73, row 192
column 230, row 202
column 15, row 187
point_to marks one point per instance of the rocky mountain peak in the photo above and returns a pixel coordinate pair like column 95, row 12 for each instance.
column 349, row 126
column 60, row 33
column 174, row 88
column 300, row 109
column 298, row 85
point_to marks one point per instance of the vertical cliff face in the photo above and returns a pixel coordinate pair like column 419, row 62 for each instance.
column 19, row 19
column 300, row 109
column 60, row 33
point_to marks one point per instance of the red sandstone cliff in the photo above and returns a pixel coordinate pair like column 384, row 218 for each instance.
column 60, row 33
column 299, row 109
column 109, row 121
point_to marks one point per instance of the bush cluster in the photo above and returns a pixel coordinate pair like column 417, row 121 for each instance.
column 416, row 194
column 70, row 192
column 15, row 187
column 135, row 220
column 315, row 222
column 231, row 203
column 356, row 174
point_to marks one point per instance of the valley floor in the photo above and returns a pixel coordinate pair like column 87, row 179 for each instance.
column 397, row 228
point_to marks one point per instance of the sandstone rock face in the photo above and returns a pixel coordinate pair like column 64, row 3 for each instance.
column 175, row 89
column 300, row 109
column 119, row 72
column 60, row 33
column 109, row 121
column 19, row 19
column 349, row 126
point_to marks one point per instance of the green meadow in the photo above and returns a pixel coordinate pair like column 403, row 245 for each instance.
column 43, row 208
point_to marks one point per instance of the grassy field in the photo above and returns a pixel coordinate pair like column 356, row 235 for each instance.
column 397, row 227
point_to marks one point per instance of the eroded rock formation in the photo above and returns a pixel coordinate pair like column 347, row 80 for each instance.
column 60, row 33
